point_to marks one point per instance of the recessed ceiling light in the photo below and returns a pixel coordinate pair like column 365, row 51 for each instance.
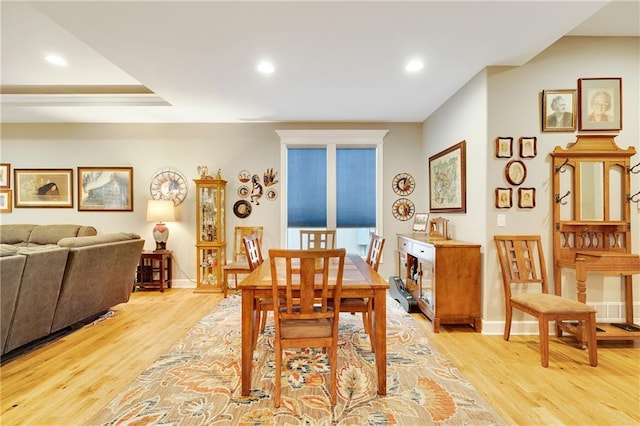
column 266, row 67
column 414, row 65
column 56, row 60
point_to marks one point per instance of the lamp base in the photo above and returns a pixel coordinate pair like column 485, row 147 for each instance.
column 160, row 235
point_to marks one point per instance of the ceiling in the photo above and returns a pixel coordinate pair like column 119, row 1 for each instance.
column 334, row 61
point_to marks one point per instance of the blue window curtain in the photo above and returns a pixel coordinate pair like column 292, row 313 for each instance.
column 307, row 187
column 356, row 187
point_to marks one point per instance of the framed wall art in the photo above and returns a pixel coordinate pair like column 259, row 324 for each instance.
column 420, row 222
column 528, row 147
column 504, row 147
column 448, row 180
column 526, row 198
column 559, row 110
column 5, row 175
column 105, row 188
column 515, row 172
column 5, row 201
column 600, row 103
column 503, row 198
column 43, row 187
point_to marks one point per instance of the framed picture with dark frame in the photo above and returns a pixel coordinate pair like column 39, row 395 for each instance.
column 526, row 198
column 5, row 201
column 600, row 103
column 5, row 175
column 504, row 147
column 43, row 188
column 420, row 222
column 528, row 147
column 448, row 180
column 105, row 188
column 503, row 198
column 515, row 172
column 559, row 110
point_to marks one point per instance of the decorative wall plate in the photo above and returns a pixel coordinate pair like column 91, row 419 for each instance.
column 244, row 176
column 243, row 191
column 403, row 209
column 169, row 184
column 272, row 194
column 403, row 184
column 242, row 209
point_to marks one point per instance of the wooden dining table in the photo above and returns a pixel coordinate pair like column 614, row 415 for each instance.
column 359, row 280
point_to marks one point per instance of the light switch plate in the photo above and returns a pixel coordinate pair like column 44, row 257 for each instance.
column 502, row 220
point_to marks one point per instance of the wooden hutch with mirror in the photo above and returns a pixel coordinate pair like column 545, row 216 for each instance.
column 592, row 222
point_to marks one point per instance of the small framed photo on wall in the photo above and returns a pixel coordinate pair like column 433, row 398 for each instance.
column 504, row 147
column 6, row 201
column 526, row 198
column 559, row 110
column 503, row 198
column 528, row 148
column 600, row 103
column 5, row 175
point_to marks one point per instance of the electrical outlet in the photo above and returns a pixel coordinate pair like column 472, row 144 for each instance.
column 502, row 220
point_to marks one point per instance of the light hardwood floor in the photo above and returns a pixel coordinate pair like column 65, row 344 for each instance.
column 67, row 381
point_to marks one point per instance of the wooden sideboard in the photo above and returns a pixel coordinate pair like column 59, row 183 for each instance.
column 444, row 277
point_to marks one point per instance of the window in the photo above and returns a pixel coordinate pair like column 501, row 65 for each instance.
column 331, row 181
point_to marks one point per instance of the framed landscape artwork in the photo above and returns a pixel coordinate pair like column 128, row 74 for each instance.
column 105, row 188
column 43, row 187
column 447, row 180
column 600, row 103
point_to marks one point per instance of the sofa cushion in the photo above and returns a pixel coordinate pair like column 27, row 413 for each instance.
column 36, row 249
column 97, row 239
column 51, row 234
column 8, row 250
column 15, row 233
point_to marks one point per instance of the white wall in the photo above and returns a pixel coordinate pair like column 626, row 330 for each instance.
column 513, row 109
column 230, row 147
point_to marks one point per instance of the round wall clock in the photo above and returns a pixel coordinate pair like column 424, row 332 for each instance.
column 169, row 184
column 403, row 184
column 403, row 209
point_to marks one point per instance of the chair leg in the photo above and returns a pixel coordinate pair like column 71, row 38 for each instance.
column 543, row 326
column 592, row 340
column 278, row 377
column 507, row 323
column 333, row 365
column 257, row 313
column 263, row 321
column 225, row 284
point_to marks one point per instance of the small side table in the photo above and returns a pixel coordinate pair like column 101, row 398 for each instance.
column 154, row 270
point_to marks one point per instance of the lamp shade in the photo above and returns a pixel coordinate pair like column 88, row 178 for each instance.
column 160, row 211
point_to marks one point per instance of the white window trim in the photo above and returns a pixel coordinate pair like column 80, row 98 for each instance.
column 329, row 139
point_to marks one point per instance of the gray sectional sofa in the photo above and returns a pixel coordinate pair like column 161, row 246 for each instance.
column 54, row 276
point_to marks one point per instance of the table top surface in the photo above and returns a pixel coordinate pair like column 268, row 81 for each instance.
column 357, row 274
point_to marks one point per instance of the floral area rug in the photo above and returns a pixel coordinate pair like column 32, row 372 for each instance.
column 198, row 381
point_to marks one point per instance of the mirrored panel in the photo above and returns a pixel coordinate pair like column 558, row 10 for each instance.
column 592, row 191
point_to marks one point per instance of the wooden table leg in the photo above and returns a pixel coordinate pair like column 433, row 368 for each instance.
column 380, row 327
column 247, row 339
column 628, row 298
column 581, row 284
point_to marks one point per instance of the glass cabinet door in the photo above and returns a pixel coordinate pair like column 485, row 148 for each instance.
column 208, row 224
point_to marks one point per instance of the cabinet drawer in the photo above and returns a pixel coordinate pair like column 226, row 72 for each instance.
column 404, row 245
column 422, row 251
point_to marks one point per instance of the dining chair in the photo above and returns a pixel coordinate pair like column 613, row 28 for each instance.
column 304, row 316
column 522, row 263
column 239, row 264
column 253, row 250
column 317, row 239
column 362, row 304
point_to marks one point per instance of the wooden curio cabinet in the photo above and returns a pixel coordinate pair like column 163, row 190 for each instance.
column 210, row 234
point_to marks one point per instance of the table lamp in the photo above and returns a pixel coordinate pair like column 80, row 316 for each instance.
column 160, row 211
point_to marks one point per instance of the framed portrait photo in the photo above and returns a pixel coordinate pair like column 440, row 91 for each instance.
column 528, row 147
column 105, row 188
column 5, row 201
column 559, row 110
column 526, row 198
column 504, row 147
column 600, row 103
column 43, row 187
column 515, row 172
column 503, row 198
column 448, row 180
column 5, row 175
